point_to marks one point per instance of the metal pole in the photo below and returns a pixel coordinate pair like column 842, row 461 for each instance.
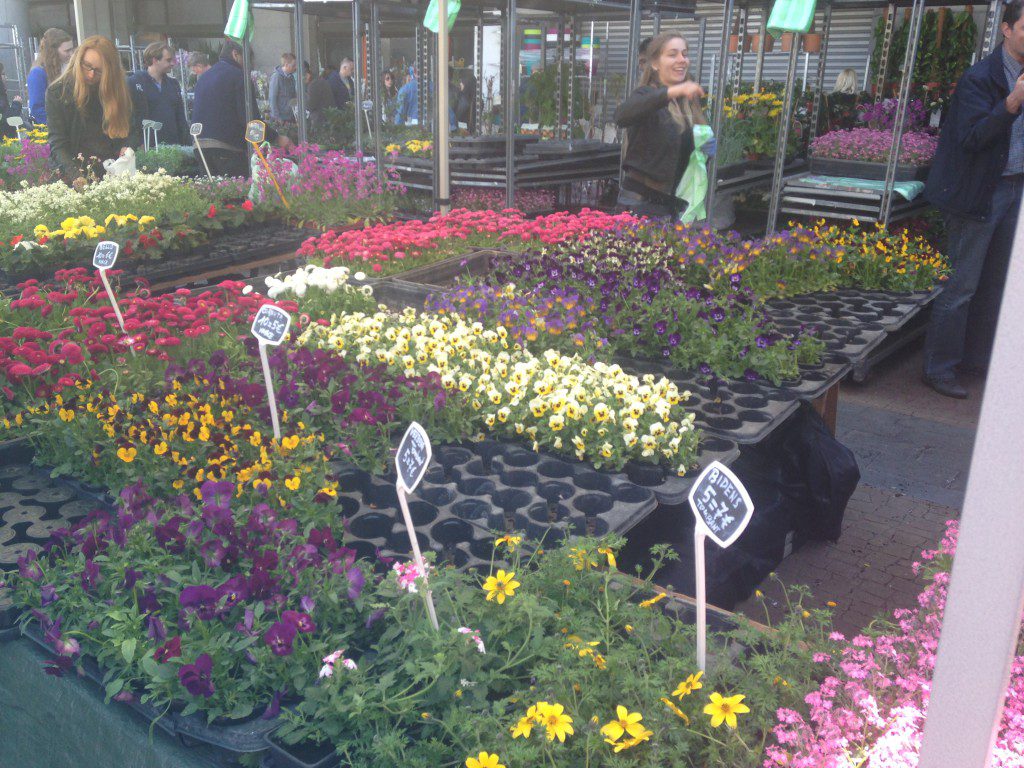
column 511, row 98
column 657, row 23
column 916, row 19
column 377, row 96
column 883, row 59
column 633, row 51
column 300, row 72
column 719, row 103
column 741, row 43
column 992, row 27
column 822, row 59
column 478, row 62
column 572, row 79
column 441, row 148
column 780, row 147
column 250, row 107
column 759, row 66
column 357, row 97
column 421, row 76
column 559, row 100
column 981, row 623
column 701, row 39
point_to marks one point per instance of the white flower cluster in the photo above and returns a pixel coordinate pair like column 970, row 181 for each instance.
column 327, row 279
column 596, row 411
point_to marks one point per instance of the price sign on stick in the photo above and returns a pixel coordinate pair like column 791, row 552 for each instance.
column 723, row 509
column 270, row 327
column 411, row 462
column 196, row 130
column 255, row 134
column 103, row 258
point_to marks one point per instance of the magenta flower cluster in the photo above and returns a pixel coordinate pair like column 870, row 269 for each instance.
column 871, row 709
column 871, row 145
column 882, row 115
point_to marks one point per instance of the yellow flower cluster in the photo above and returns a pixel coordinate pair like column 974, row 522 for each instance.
column 597, row 411
column 586, row 650
column 556, row 721
column 412, row 147
column 763, row 102
column 38, row 135
column 626, row 723
column 73, row 228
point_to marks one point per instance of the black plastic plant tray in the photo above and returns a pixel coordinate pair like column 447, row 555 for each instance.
column 232, row 739
column 741, row 411
column 849, row 334
column 816, row 380
column 447, row 272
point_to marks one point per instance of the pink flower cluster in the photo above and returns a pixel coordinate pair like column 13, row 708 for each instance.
column 327, row 670
column 409, row 240
column 407, row 574
column 474, row 635
column 477, row 199
column 871, row 710
column 870, row 145
column 327, row 173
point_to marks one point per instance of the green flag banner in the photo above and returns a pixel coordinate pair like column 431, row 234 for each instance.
column 240, row 22
column 432, row 18
column 791, row 16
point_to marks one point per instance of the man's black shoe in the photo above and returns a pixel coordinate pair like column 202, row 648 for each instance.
column 947, row 387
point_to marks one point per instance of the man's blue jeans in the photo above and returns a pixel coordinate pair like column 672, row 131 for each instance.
column 975, row 248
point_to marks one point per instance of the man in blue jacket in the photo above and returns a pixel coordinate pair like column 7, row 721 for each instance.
column 976, row 180
column 408, row 103
column 160, row 94
column 220, row 107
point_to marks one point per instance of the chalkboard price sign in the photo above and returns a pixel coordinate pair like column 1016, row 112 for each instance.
column 105, row 254
column 256, row 131
column 721, row 504
column 413, row 456
column 196, row 129
column 367, row 105
column 271, row 325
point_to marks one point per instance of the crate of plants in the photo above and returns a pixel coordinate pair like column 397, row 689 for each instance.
column 863, row 153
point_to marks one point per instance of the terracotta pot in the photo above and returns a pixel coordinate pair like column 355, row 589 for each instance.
column 734, row 43
column 786, row 42
column 769, row 43
column 812, row 42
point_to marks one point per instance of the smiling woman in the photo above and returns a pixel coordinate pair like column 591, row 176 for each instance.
column 659, row 117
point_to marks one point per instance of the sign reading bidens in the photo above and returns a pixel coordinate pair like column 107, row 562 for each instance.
column 271, row 325
column 413, row 456
column 721, row 504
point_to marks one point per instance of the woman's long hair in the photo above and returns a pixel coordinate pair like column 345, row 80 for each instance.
column 48, row 56
column 684, row 111
column 112, row 90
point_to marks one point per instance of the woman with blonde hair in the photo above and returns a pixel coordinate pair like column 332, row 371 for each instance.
column 659, row 117
column 55, row 49
column 90, row 111
column 840, row 112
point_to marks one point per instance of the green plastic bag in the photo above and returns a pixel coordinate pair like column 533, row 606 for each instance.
column 693, row 187
column 432, row 20
column 791, row 16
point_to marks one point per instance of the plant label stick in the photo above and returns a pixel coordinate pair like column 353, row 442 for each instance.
column 723, row 509
column 255, row 134
column 411, row 462
column 270, row 327
column 103, row 258
column 196, row 129
column 16, row 122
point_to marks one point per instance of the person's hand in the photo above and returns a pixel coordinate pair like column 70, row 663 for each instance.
column 688, row 90
column 78, row 184
column 709, row 147
column 1016, row 97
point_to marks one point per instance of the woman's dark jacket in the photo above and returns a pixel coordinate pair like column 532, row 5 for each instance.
column 974, row 143
column 73, row 132
column 656, row 152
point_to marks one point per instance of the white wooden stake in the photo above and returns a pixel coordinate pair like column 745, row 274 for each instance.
column 417, row 555
column 702, row 602
column 271, row 398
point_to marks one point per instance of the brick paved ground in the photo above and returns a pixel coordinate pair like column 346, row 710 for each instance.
column 913, row 447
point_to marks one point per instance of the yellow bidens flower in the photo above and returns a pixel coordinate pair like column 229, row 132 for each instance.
column 657, row 598
column 484, row 760
column 625, row 722
column 555, row 720
column 679, row 713
column 501, row 585
column 510, row 542
column 724, row 710
column 607, row 552
column 688, row 686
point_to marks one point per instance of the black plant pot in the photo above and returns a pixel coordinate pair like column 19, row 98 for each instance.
column 645, row 474
column 304, row 755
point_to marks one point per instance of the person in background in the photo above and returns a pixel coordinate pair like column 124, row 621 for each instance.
column 341, row 83
column 220, row 107
column 642, row 54
column 284, row 89
column 90, row 112
column 659, row 117
column 319, row 98
column 389, row 96
column 159, row 94
column 408, row 105
column 198, row 63
column 465, row 104
column 55, row 49
column 976, row 180
column 8, row 108
column 840, row 112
